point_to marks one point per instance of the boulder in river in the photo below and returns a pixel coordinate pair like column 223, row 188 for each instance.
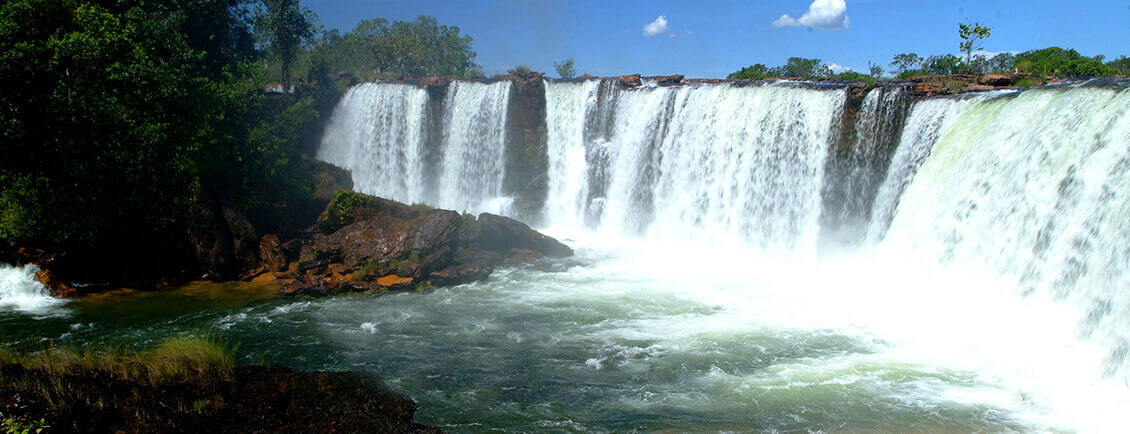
column 366, row 243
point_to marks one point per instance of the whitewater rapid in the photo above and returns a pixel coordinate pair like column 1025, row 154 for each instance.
column 21, row 292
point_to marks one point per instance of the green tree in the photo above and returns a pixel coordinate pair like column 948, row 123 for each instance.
column 808, row 69
column 121, row 118
column 971, row 36
column 1062, row 63
column 854, row 76
column 418, row 48
column 942, row 64
column 875, row 69
column 1001, row 63
column 753, row 72
column 284, row 26
column 1120, row 65
column 905, row 62
column 565, row 68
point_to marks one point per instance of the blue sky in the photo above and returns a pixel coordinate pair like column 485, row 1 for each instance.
column 713, row 38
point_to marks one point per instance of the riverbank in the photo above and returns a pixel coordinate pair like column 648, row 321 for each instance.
column 188, row 384
column 359, row 243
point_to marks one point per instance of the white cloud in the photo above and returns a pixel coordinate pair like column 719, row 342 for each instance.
column 822, row 14
column 837, row 68
column 657, row 27
column 990, row 54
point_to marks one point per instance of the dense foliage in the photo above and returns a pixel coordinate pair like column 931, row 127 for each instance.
column 1062, row 63
column 118, row 112
column 286, row 26
column 1053, row 61
column 121, row 119
column 565, row 69
column 796, row 67
column 379, row 49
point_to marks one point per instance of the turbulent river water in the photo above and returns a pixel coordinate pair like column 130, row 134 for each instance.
column 963, row 267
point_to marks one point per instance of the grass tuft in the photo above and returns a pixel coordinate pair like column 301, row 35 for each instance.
column 177, row 359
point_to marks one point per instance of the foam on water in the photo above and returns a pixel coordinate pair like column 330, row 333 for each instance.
column 19, row 291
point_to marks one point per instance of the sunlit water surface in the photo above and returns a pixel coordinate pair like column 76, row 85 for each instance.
column 645, row 336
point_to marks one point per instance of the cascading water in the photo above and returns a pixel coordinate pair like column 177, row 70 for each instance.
column 381, row 133
column 698, row 162
column 474, row 141
column 566, row 107
column 858, row 167
column 20, row 291
column 926, row 122
column 991, row 294
column 378, row 132
column 1031, row 190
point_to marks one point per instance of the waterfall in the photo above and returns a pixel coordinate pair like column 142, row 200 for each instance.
column 382, row 132
column 21, row 292
column 378, row 132
column 474, row 140
column 1032, row 191
column 566, row 108
column 858, row 166
column 1027, row 189
column 693, row 162
column 925, row 123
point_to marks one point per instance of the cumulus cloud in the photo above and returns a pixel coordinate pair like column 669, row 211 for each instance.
column 822, row 14
column 837, row 68
column 657, row 27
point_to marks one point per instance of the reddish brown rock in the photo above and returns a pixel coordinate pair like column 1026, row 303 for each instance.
column 436, row 81
column 930, row 88
column 58, row 287
column 629, row 81
column 458, row 274
column 368, row 243
column 272, row 256
column 667, row 80
column 998, row 79
column 394, row 281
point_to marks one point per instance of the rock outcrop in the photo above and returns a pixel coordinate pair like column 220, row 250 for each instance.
column 365, row 243
column 628, row 81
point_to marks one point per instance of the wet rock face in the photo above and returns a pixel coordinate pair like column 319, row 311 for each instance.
column 500, row 234
column 366, row 243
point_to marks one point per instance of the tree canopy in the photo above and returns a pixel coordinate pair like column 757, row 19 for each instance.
column 377, row 48
column 122, row 116
column 971, row 36
column 798, row 67
column 1062, row 63
column 565, row 68
column 284, row 26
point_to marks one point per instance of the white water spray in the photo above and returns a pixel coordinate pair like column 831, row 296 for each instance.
column 1003, row 269
column 19, row 291
column 381, row 131
column 712, row 163
column 1032, row 191
column 474, row 141
column 377, row 132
